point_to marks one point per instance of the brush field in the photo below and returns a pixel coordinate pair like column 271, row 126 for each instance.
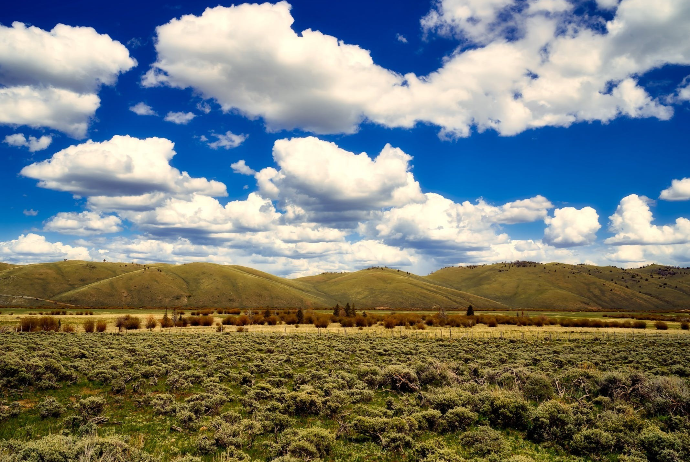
column 264, row 396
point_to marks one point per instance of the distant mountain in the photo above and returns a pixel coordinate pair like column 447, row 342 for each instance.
column 520, row 285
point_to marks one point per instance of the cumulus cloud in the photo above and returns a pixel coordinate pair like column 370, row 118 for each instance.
column 329, row 183
column 631, row 256
column 530, row 64
column 34, row 144
column 522, row 211
column 121, row 166
column 34, row 248
column 254, row 62
column 50, row 79
column 228, row 140
column 678, row 191
column 57, row 108
column 242, row 168
column 30, row 212
column 180, row 118
column 83, row 224
column 632, row 223
column 205, row 214
column 570, row 227
column 142, row 109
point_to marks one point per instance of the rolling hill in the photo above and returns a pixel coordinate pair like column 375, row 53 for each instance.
column 520, row 285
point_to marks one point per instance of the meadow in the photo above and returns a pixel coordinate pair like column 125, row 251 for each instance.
column 289, row 393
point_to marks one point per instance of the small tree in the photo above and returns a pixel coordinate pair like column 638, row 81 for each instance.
column 470, row 311
column 348, row 310
column 300, row 316
column 336, row 310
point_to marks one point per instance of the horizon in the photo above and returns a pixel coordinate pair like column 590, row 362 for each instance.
column 309, row 137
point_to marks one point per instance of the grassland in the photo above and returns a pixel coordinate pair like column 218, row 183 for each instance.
column 499, row 287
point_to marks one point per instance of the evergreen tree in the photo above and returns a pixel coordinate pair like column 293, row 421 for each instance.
column 470, row 311
column 267, row 313
column 300, row 316
column 348, row 309
column 336, row 310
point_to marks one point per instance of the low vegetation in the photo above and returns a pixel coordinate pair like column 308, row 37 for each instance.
column 260, row 397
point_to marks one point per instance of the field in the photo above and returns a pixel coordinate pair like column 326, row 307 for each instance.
column 332, row 396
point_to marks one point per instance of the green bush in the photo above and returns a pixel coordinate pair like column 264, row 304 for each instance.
column 459, row 419
column 50, row 407
column 538, row 387
column 594, row 443
column 553, row 421
column 484, row 441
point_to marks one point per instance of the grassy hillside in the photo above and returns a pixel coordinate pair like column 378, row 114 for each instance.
column 196, row 284
column 561, row 286
column 385, row 287
column 523, row 286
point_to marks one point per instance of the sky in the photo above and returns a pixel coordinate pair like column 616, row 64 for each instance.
column 311, row 136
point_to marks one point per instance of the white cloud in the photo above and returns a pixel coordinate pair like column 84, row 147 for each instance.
column 438, row 227
column 204, row 107
column 206, row 215
column 607, row 4
column 523, row 211
column 34, row 144
column 475, row 20
column 30, row 212
column 83, row 224
column 632, row 256
column 56, row 108
column 253, row 61
column 122, row 166
column 531, row 64
column 142, row 109
column 330, row 183
column 632, row 223
column 570, row 227
column 228, row 140
column 242, row 168
column 678, row 191
column 529, row 250
column 34, row 248
column 180, row 118
column 50, row 79
column 400, row 38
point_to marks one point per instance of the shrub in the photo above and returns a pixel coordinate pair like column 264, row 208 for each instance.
column 639, row 325
column 91, row 406
column 69, row 328
column 322, row 322
column 661, row 325
column 50, row 407
column 44, row 323
column 459, row 419
column 594, row 443
column 128, row 322
column 685, row 325
column 151, row 323
column 552, row 421
column 89, row 325
column 484, row 441
column 538, row 388
column 101, row 326
column 400, row 378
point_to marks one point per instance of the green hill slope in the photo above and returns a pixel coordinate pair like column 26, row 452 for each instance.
column 385, row 287
column 552, row 286
column 561, row 286
column 196, row 284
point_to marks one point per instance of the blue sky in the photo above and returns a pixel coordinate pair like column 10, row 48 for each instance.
column 548, row 130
